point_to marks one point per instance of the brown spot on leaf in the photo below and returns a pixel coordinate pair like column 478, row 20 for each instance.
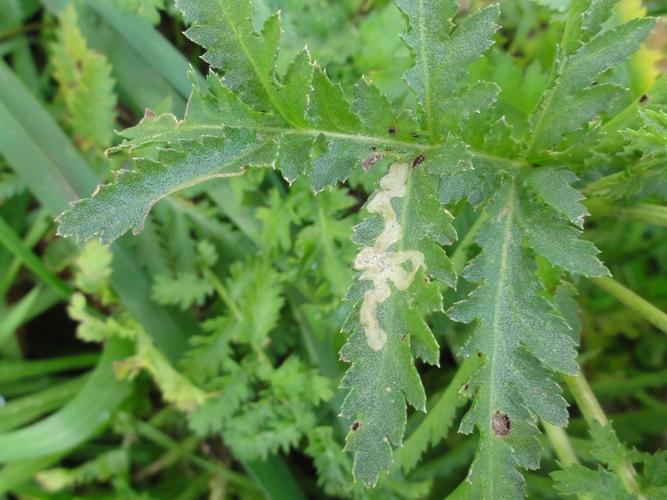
column 500, row 423
column 643, row 99
column 355, row 425
column 392, row 130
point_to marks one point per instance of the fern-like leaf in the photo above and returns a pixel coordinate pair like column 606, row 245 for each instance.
column 85, row 84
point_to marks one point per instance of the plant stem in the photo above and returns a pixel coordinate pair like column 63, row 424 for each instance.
column 33, row 235
column 224, row 294
column 643, row 212
column 9, row 239
column 161, row 439
column 561, row 444
column 592, row 411
column 630, row 299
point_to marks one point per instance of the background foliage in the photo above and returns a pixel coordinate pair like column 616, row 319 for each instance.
column 200, row 358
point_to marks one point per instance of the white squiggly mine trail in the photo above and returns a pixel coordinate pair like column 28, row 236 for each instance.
column 380, row 265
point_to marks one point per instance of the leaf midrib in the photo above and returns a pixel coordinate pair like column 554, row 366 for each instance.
column 352, row 137
column 266, row 85
column 426, row 75
column 504, row 257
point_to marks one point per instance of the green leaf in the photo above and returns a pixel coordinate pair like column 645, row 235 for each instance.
column 85, row 84
column 600, row 484
column 607, row 482
column 439, row 420
column 136, row 191
column 184, row 290
column 522, row 339
column 103, row 467
column 575, row 98
column 146, row 9
column 442, row 54
column 75, row 422
column 401, row 241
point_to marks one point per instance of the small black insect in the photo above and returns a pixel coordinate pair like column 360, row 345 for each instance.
column 392, row 130
column 418, row 160
column 643, row 99
column 355, row 425
column 371, row 160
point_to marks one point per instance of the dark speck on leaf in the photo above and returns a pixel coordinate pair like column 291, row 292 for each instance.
column 466, row 387
column 479, row 355
column 418, row 160
column 415, row 135
column 519, row 54
column 355, row 425
column 643, row 99
column 392, row 130
column 500, row 423
column 594, row 83
column 373, row 148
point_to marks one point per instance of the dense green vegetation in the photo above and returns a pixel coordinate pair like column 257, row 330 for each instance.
column 473, row 193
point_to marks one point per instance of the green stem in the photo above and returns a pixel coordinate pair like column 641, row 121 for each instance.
column 602, row 185
column 633, row 301
column 561, row 444
column 592, row 411
column 161, row 439
column 223, row 293
column 34, row 234
column 647, row 213
column 9, row 239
